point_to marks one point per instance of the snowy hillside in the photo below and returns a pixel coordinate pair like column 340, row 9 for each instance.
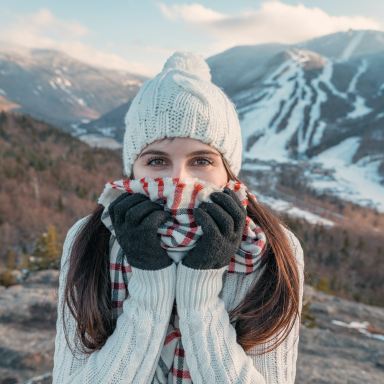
column 326, row 110
column 317, row 105
column 59, row 89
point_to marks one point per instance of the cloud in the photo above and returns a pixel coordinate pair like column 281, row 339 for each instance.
column 274, row 21
column 194, row 13
column 43, row 29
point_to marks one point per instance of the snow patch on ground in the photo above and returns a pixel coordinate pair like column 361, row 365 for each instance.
column 77, row 131
column 107, row 131
column 98, row 141
column 361, row 327
column 284, row 206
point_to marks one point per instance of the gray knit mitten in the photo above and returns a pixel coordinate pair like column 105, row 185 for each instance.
column 136, row 220
column 222, row 223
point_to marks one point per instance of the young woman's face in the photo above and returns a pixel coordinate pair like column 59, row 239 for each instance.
column 181, row 157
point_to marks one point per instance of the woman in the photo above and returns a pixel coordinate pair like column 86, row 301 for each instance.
column 207, row 316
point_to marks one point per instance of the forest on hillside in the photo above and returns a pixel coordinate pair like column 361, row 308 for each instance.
column 49, row 180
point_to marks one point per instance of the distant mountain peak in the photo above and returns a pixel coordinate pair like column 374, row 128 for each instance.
column 346, row 44
column 58, row 88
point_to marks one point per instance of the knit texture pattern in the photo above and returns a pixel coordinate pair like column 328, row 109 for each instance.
column 181, row 101
column 179, row 197
column 157, row 341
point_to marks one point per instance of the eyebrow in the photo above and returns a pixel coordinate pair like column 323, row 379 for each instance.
column 201, row 152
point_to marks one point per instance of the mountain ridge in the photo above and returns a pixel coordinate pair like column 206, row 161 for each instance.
column 319, row 102
column 53, row 86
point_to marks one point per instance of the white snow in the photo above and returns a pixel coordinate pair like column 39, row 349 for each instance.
column 316, row 140
column 290, row 209
column 353, row 44
column 360, row 110
column 272, row 145
column 326, row 78
column 360, row 107
column 2, row 92
column 287, row 88
column 100, row 141
column 132, row 82
column 60, row 82
column 63, row 81
column 357, row 182
column 76, row 130
column 52, row 83
column 314, row 116
column 360, row 327
column 362, row 68
column 301, row 56
column 107, row 131
column 81, row 101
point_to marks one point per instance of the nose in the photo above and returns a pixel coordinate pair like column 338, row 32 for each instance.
column 180, row 171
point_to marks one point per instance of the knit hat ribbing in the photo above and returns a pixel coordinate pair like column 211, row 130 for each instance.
column 181, row 101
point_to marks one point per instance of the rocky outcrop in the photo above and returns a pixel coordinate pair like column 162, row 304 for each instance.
column 341, row 341
column 344, row 343
column 27, row 327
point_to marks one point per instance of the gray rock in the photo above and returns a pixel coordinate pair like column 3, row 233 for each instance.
column 328, row 352
column 49, row 277
column 335, row 354
column 27, row 327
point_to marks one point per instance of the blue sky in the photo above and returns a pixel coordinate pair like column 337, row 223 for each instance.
column 139, row 35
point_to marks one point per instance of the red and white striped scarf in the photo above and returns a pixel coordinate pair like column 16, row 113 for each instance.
column 179, row 197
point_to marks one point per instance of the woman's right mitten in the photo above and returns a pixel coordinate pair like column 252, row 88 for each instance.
column 136, row 220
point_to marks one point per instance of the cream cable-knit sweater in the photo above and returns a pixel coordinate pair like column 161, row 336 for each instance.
column 203, row 298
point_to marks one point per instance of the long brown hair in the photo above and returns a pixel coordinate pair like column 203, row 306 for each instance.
column 270, row 306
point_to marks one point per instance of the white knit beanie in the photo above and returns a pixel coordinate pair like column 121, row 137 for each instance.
column 181, row 101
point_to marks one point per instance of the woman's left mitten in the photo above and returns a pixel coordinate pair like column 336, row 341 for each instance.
column 222, row 223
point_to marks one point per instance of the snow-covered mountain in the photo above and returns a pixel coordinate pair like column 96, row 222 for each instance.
column 317, row 106
column 59, row 89
column 320, row 103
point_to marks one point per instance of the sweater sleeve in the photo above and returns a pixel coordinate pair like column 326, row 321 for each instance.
column 209, row 339
column 131, row 352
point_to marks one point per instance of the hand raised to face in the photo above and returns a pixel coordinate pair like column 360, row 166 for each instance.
column 222, row 223
column 136, row 220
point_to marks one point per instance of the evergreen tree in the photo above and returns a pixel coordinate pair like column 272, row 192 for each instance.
column 47, row 248
column 11, row 259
